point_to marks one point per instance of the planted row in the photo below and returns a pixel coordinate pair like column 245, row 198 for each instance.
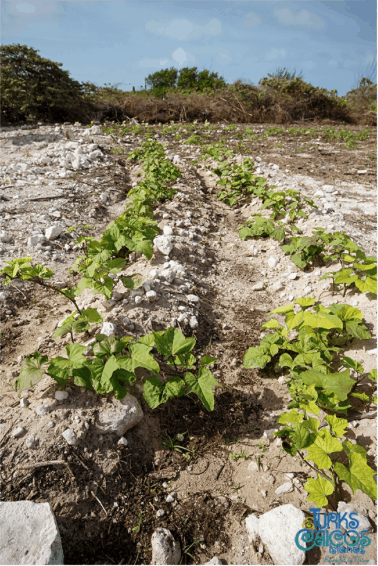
column 111, row 363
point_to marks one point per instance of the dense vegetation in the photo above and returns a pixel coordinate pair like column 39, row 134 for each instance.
column 36, row 88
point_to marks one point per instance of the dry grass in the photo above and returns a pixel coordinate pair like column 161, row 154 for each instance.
column 239, row 103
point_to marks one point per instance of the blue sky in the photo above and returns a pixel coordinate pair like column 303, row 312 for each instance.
column 118, row 41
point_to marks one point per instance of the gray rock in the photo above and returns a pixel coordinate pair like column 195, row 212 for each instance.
column 29, row 533
column 276, row 530
column 4, row 237
column 70, row 437
column 258, row 286
column 18, row 431
column 32, row 441
column 151, row 296
column 43, row 410
column 214, row 560
column 61, row 395
column 193, row 299
column 54, row 231
column 284, row 488
column 364, row 523
column 119, row 416
column 35, row 240
column 278, row 286
column 122, row 441
column 165, row 550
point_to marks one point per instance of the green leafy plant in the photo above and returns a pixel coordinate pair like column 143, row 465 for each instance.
column 258, row 226
column 321, row 334
column 333, row 460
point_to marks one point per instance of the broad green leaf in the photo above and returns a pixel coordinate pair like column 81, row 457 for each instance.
column 346, row 312
column 273, row 350
column 319, row 320
column 311, row 423
column 351, row 448
column 133, row 281
column 153, row 390
column 357, row 330
column 207, row 360
column 271, row 324
column 256, row 357
column 83, row 377
column 31, row 372
column 373, row 375
column 108, row 345
column 292, row 417
column 164, row 342
column 92, row 315
column 202, row 386
column 305, row 302
column 338, row 383
column 367, row 286
column 359, row 475
column 182, row 345
column 350, row 363
column 147, row 339
column 286, row 360
column 141, row 357
column 323, row 445
column 318, row 490
column 337, row 425
column 84, row 283
column 282, row 310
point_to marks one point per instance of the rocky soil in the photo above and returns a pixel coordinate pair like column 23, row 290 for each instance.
column 197, row 474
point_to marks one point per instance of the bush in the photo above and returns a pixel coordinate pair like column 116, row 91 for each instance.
column 187, row 78
column 36, row 88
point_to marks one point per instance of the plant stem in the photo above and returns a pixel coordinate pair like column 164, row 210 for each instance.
column 57, row 290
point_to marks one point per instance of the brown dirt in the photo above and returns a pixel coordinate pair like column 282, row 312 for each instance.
column 208, row 468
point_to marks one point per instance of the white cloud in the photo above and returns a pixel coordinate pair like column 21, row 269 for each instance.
column 184, row 29
column 182, row 57
column 252, row 20
column 179, row 58
column 275, row 54
column 303, row 18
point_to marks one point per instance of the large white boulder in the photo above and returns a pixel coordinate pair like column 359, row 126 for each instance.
column 276, row 530
column 54, row 231
column 165, row 550
column 29, row 534
column 120, row 416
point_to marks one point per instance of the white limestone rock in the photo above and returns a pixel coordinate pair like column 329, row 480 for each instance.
column 61, row 395
column 35, row 240
column 54, row 231
column 163, row 244
column 286, row 487
column 108, row 328
column 18, row 431
column 165, row 550
column 119, row 416
column 277, row 529
column 70, row 437
column 29, row 534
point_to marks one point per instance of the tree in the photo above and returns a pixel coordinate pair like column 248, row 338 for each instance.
column 188, row 78
column 166, row 78
column 36, row 88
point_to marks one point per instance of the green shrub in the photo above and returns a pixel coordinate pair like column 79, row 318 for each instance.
column 36, row 88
